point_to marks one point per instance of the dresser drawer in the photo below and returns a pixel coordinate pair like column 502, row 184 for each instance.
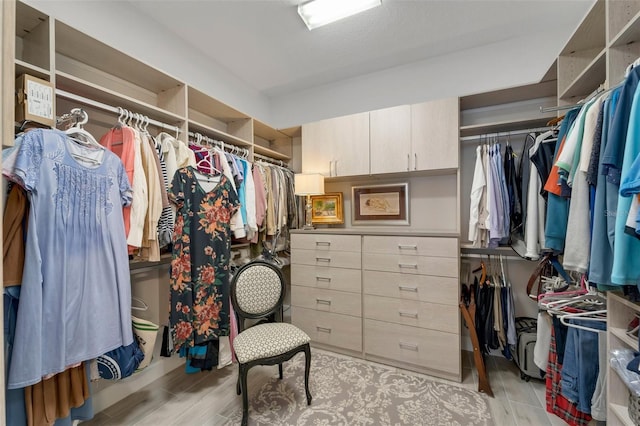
column 421, row 246
column 424, row 288
column 343, row 331
column 338, row 302
column 408, row 312
column 326, row 242
column 338, row 259
column 436, row 266
column 326, row 277
column 435, row 350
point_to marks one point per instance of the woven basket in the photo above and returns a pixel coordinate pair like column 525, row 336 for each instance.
column 634, row 408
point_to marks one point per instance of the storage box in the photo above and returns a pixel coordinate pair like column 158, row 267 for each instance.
column 34, row 100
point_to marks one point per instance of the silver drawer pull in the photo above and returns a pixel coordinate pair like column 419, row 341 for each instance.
column 409, row 346
column 407, row 247
column 323, row 301
column 407, row 288
column 323, row 329
column 408, row 265
column 408, row 314
column 323, row 259
column 328, row 279
column 323, row 243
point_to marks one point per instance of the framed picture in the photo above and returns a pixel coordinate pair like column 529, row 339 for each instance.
column 327, row 208
column 381, row 204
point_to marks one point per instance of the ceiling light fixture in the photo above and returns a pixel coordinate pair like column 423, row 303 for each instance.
column 317, row 13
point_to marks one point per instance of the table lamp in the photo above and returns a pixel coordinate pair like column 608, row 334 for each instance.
column 308, row 184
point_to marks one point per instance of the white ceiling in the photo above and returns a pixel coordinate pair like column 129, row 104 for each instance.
column 267, row 46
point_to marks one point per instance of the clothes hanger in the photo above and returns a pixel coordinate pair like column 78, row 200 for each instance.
column 78, row 134
column 136, row 299
column 585, row 316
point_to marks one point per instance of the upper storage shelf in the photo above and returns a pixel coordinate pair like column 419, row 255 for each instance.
column 271, row 142
column 582, row 62
column 217, row 120
column 92, row 63
column 32, row 42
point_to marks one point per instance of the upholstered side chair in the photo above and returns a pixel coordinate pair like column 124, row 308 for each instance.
column 257, row 293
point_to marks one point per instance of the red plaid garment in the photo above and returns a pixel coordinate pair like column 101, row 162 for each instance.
column 556, row 403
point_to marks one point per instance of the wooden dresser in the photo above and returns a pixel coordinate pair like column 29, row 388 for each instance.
column 388, row 298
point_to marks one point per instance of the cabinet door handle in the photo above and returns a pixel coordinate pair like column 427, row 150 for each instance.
column 323, row 329
column 409, row 346
column 415, row 162
column 407, row 247
column 327, row 279
column 323, row 301
column 323, row 259
column 407, row 288
column 408, row 314
column 323, row 243
column 408, row 265
column 408, row 162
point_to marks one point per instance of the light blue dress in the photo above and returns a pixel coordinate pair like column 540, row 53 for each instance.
column 75, row 301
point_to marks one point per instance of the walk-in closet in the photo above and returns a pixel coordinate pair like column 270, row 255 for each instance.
column 234, row 213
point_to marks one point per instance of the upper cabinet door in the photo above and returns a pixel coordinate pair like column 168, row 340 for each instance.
column 390, row 140
column 435, row 134
column 337, row 146
column 317, row 151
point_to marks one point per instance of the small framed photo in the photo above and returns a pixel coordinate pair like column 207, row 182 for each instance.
column 381, row 204
column 327, row 208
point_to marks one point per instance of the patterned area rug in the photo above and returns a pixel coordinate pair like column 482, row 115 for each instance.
column 348, row 391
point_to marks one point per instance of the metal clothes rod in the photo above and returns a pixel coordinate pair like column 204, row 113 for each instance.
column 234, row 149
column 109, row 108
column 506, row 134
column 271, row 160
column 513, row 256
column 558, row 108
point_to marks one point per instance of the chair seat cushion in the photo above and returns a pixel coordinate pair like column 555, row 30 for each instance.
column 267, row 340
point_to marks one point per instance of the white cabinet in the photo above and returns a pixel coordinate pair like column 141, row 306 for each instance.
column 390, row 140
column 434, row 134
column 337, row 146
column 415, row 137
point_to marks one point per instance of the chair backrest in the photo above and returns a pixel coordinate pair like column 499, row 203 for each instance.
column 257, row 290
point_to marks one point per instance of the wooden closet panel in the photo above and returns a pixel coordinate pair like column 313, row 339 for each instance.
column 338, row 302
column 435, row 350
column 422, row 246
column 422, row 288
column 342, row 331
column 327, row 278
column 326, row 242
column 337, row 259
column 423, row 265
column 408, row 312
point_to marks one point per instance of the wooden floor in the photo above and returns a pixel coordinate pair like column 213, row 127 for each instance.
column 207, row 398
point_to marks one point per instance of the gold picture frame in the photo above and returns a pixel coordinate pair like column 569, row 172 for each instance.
column 327, row 208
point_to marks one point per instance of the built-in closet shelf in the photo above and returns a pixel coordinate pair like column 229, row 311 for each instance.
column 622, row 335
column 506, row 126
column 546, row 88
column 589, row 79
column 629, row 34
column 92, row 91
column 23, row 67
column 265, row 132
column 621, row 299
column 591, row 32
column 214, row 133
column 622, row 413
column 258, row 149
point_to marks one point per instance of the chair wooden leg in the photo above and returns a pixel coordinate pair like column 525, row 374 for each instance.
column 245, row 397
column 238, row 390
column 280, row 370
column 307, row 367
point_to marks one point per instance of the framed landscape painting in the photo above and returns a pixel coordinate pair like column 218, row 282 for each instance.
column 327, row 208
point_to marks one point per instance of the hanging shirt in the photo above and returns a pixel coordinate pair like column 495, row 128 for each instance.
column 626, row 250
column 150, row 246
column 75, row 301
column 477, row 188
column 140, row 202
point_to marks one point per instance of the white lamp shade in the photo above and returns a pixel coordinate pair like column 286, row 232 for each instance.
column 309, row 184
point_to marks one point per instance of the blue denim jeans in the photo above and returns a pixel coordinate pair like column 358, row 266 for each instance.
column 581, row 365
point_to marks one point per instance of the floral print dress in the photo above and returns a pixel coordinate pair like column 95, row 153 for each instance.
column 199, row 280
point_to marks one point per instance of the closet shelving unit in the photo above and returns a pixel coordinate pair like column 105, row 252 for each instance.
column 87, row 72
